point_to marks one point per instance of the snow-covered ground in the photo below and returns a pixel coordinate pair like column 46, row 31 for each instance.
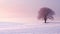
column 30, row 28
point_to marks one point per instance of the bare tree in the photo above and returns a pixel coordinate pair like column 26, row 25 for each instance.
column 45, row 13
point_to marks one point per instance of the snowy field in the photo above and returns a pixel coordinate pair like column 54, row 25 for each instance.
column 29, row 28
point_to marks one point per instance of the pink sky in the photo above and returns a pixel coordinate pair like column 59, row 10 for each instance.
column 23, row 10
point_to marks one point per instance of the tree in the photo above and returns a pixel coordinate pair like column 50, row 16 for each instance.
column 46, row 13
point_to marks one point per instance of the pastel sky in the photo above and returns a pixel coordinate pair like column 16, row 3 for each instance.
column 25, row 10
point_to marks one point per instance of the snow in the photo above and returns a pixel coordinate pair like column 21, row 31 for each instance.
column 30, row 28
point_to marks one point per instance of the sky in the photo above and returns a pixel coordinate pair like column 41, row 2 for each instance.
column 26, row 10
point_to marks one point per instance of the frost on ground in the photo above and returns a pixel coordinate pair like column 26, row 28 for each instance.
column 30, row 28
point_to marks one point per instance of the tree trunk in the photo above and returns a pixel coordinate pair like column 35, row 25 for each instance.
column 45, row 19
